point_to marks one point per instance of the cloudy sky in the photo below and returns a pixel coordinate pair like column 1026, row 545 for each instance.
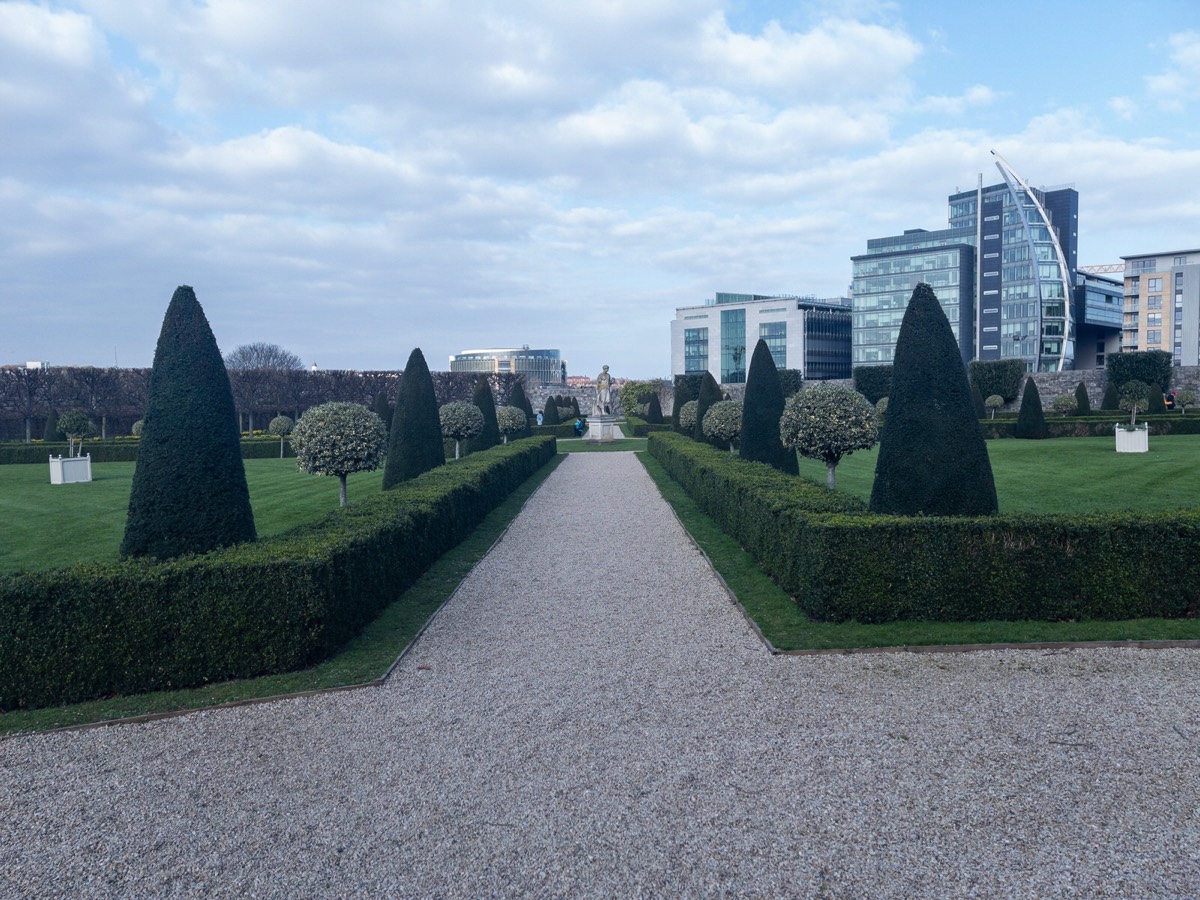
column 353, row 179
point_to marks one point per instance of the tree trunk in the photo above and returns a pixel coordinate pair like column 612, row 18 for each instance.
column 281, row 446
column 456, row 448
column 342, row 479
column 830, row 475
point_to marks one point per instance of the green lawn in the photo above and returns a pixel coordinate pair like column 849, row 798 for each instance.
column 1065, row 475
column 50, row 525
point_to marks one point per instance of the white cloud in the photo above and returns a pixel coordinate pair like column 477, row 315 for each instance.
column 1175, row 88
column 1123, row 107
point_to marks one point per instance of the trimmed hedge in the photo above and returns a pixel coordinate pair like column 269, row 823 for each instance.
column 271, row 606
column 565, row 430
column 997, row 376
column 841, row 563
column 635, row 427
column 1094, row 426
column 123, row 451
column 873, row 382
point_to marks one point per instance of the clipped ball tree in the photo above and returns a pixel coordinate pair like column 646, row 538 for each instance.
column 762, row 406
column 993, row 403
column 723, row 422
column 932, row 456
column 511, row 421
column 687, row 416
column 1184, row 399
column 339, row 438
column 1031, row 419
column 189, row 492
column 415, row 438
column 826, row 422
column 281, row 427
column 1135, row 398
column 76, row 425
column 460, row 422
column 1064, row 405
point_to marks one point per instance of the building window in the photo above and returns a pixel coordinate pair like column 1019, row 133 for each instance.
column 695, row 350
column 1153, row 285
column 733, row 346
column 1143, row 265
column 775, row 334
column 1153, row 337
column 689, row 318
column 1154, row 301
column 1154, row 319
column 1180, row 261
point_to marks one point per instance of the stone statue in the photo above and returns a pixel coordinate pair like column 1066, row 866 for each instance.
column 603, row 404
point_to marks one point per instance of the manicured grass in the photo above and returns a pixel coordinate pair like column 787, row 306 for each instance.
column 576, row 445
column 51, row 525
column 364, row 660
column 787, row 628
column 1064, row 475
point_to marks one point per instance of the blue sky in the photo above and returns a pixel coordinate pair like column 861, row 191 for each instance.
column 352, row 180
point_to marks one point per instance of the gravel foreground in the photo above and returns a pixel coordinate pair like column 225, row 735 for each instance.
column 567, row 729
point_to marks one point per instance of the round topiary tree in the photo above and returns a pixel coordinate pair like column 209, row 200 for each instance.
column 993, row 403
column 1135, row 398
column 761, row 408
column 1064, row 405
column 723, row 422
column 932, row 456
column 687, row 416
column 881, row 406
column 826, row 422
column 415, row 441
column 1031, row 420
column 461, row 422
column 136, row 428
column 76, row 426
column 511, row 421
column 281, row 427
column 1184, row 399
column 339, row 438
column 189, row 492
column 1083, row 403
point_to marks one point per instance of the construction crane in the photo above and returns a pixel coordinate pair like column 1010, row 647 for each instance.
column 1104, row 269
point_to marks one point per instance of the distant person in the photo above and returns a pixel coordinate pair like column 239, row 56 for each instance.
column 539, row 418
column 579, row 428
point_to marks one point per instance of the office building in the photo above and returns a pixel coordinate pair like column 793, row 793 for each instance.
column 1162, row 304
column 1005, row 271
column 539, row 366
column 801, row 332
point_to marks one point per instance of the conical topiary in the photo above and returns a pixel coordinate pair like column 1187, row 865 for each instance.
column 550, row 413
column 1157, row 404
column 415, row 440
column 520, row 400
column 1111, row 401
column 1031, row 419
column 189, row 492
column 932, row 456
column 51, row 434
column 1083, row 404
column 490, row 435
column 654, row 414
column 710, row 393
column 762, row 408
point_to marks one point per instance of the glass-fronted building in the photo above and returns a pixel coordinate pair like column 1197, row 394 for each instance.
column 541, row 366
column 1005, row 271
column 802, row 333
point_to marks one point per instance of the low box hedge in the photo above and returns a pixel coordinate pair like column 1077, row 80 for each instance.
column 271, row 606
column 124, row 450
column 1096, row 425
column 635, row 427
column 562, row 430
column 842, row 563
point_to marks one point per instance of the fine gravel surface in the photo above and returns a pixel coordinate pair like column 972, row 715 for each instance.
column 591, row 716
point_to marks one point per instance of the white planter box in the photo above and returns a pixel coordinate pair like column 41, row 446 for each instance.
column 70, row 470
column 1136, row 441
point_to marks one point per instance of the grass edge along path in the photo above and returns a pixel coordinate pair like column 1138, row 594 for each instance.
column 787, row 630
column 364, row 662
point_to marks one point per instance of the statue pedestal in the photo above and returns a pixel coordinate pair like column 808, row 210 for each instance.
column 600, row 430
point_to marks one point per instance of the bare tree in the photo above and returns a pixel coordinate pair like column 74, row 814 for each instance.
column 24, row 390
column 262, row 356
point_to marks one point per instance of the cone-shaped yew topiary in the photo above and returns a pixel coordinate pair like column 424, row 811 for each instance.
column 654, row 411
column 761, row 409
column 189, row 491
column 1031, row 419
column 490, row 435
column 686, row 388
column 415, row 440
column 1083, row 404
column 932, row 455
column 550, row 413
column 1111, row 400
column 520, row 400
column 710, row 393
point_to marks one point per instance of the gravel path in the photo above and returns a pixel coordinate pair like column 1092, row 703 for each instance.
column 591, row 716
